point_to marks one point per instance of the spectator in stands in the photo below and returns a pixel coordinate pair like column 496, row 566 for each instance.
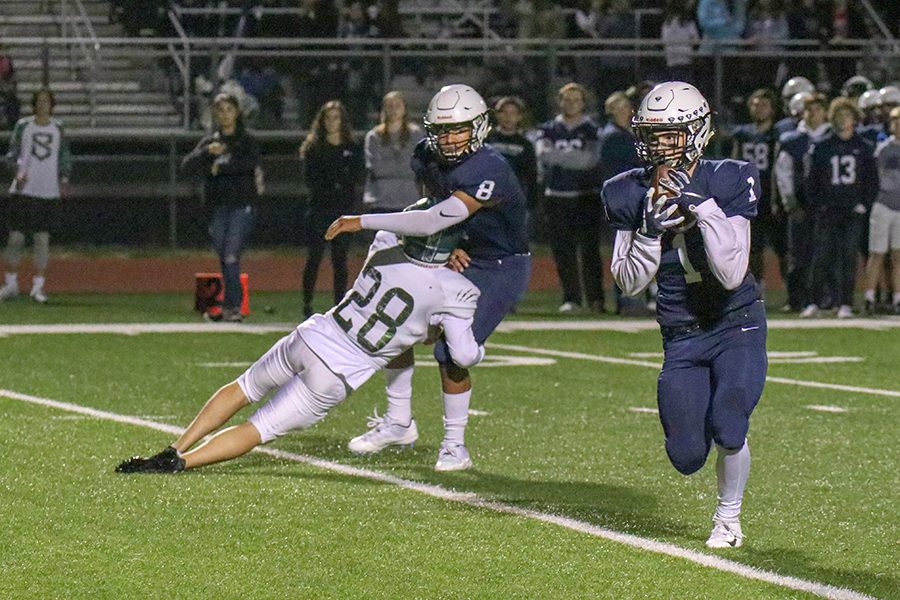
column 334, row 168
column 616, row 72
column 841, row 183
column 679, row 36
column 229, row 160
column 505, row 21
column 840, row 20
column 9, row 100
column 263, row 83
column 884, row 223
column 362, row 77
column 508, row 138
column 767, row 27
column 721, row 21
column 390, row 182
column 39, row 155
column 567, row 153
column 316, row 79
column 792, row 150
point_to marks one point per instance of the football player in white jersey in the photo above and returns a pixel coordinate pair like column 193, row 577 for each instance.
column 403, row 291
column 39, row 155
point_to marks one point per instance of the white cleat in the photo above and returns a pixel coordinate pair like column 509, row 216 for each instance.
column 10, row 290
column 453, row 458
column 38, row 295
column 383, row 433
column 725, row 534
column 568, row 307
column 810, row 311
column 845, row 312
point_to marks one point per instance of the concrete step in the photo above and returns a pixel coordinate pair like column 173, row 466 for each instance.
column 78, row 63
column 46, row 19
column 101, row 86
column 122, row 121
column 114, row 109
column 65, row 75
column 34, row 7
column 83, row 97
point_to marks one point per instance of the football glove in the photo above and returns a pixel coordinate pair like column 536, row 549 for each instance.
column 658, row 217
column 675, row 185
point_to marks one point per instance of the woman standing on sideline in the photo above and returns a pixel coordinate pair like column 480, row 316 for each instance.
column 229, row 159
column 334, row 170
column 390, row 182
column 39, row 153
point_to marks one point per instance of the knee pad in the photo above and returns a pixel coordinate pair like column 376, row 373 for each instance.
column 687, row 456
column 41, row 250
column 14, row 246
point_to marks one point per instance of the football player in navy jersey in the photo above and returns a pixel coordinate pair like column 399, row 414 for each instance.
column 482, row 195
column 841, row 184
column 792, row 148
column 755, row 143
column 694, row 238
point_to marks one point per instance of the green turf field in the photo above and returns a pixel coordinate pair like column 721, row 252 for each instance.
column 559, row 438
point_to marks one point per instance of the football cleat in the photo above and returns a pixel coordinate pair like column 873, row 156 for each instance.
column 869, row 308
column 10, row 290
column 568, row 307
column 725, row 534
column 383, row 432
column 167, row 461
column 38, row 295
column 845, row 311
column 810, row 311
column 453, row 457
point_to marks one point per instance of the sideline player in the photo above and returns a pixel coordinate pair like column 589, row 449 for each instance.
column 39, row 153
column 695, row 239
column 480, row 189
column 402, row 292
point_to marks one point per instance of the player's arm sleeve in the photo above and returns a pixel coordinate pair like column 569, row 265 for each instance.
column 464, row 350
column 784, row 174
column 65, row 156
column 726, row 241
column 420, row 222
column 635, row 261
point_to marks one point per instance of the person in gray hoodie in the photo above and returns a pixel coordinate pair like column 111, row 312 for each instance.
column 390, row 182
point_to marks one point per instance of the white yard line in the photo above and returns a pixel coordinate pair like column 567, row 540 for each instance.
column 472, row 499
column 642, row 363
column 620, row 325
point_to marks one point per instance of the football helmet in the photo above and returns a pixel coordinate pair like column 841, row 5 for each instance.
column 673, row 106
column 433, row 249
column 870, row 99
column 455, row 109
column 795, row 85
column 890, row 95
column 797, row 103
column 856, row 86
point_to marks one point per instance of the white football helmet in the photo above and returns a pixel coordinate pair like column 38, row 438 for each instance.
column 795, row 85
column 890, row 95
column 454, row 109
column 855, row 86
column 797, row 103
column 870, row 99
column 673, row 106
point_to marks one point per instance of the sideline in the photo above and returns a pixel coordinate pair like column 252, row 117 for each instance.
column 471, row 499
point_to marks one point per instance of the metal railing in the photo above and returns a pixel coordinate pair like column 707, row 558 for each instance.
column 76, row 26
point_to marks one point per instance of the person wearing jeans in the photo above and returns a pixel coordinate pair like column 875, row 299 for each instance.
column 229, row 159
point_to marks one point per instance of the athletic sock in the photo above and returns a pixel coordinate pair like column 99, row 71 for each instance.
column 12, row 279
column 870, row 295
column 37, row 282
column 398, row 385
column 732, row 471
column 456, row 416
column 896, row 299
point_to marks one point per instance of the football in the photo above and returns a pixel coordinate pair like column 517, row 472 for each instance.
column 660, row 173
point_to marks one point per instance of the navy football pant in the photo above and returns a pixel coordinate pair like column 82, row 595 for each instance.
column 710, row 382
column 502, row 282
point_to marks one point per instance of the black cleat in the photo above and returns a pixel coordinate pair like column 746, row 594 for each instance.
column 166, row 461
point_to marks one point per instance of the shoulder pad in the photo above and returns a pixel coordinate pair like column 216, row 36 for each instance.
column 623, row 198
column 736, row 188
column 460, row 294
